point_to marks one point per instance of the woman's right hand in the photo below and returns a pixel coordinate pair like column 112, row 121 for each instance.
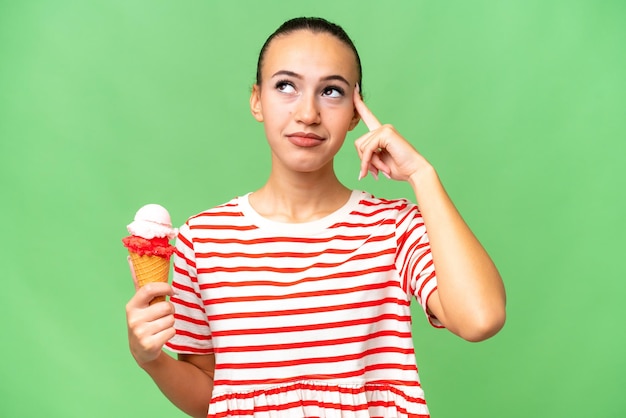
column 149, row 326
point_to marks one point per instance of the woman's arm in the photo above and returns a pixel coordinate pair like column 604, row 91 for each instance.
column 470, row 297
column 187, row 381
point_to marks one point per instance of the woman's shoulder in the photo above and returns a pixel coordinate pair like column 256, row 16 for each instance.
column 389, row 211
column 399, row 203
column 227, row 209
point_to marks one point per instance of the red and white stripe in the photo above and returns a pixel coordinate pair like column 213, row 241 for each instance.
column 305, row 319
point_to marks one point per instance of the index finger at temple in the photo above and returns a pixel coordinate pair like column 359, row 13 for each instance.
column 366, row 114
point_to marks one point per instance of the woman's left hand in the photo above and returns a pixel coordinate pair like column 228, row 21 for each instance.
column 470, row 298
column 384, row 150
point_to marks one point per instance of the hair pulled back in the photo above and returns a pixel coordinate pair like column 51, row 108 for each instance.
column 315, row 25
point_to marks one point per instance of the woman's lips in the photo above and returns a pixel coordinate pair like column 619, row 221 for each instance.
column 305, row 139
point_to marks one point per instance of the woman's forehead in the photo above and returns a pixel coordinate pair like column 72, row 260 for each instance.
column 305, row 52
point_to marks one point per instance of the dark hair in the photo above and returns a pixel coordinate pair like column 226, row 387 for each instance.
column 315, row 25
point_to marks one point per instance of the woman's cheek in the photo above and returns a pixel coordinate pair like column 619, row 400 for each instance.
column 338, row 109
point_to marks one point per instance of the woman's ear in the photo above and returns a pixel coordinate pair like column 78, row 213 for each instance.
column 255, row 103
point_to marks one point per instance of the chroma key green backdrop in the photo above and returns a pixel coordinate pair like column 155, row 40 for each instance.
column 520, row 105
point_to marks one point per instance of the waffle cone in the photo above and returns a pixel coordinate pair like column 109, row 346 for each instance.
column 150, row 269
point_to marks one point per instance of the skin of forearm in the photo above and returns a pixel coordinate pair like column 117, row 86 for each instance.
column 470, row 292
column 185, row 385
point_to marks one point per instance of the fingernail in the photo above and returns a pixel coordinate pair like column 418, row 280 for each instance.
column 386, row 175
column 358, row 88
column 360, row 175
column 374, row 174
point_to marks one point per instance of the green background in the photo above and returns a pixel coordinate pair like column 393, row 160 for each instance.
column 520, row 105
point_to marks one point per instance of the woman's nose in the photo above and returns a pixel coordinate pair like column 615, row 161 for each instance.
column 307, row 110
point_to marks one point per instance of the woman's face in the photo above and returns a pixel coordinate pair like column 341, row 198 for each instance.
column 305, row 99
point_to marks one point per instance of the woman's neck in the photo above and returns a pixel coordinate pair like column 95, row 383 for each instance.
column 299, row 197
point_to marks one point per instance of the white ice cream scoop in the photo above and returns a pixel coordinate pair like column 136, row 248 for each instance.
column 152, row 221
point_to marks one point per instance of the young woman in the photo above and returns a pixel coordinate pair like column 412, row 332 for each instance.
column 293, row 300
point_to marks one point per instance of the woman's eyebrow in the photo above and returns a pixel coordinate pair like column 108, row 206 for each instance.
column 336, row 77
column 288, row 73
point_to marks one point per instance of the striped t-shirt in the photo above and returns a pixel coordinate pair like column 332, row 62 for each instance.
column 306, row 319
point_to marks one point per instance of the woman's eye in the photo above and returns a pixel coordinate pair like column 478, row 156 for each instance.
column 333, row 92
column 285, row 87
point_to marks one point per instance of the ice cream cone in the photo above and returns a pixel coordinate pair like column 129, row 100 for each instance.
column 148, row 245
column 149, row 269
